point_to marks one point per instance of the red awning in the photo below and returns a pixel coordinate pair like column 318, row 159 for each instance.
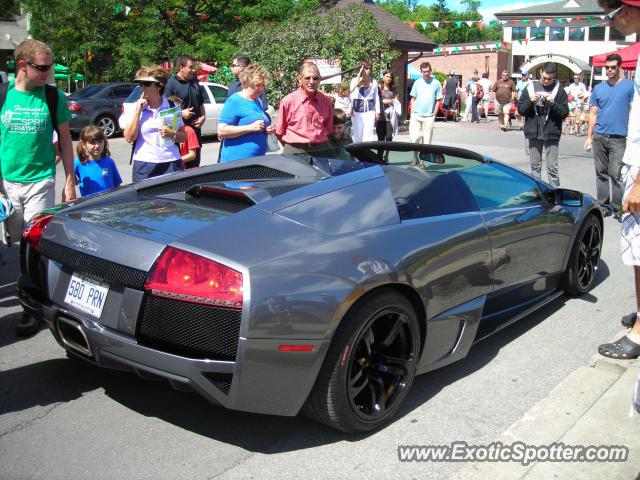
column 629, row 57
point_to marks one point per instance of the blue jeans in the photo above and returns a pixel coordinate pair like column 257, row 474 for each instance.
column 474, row 109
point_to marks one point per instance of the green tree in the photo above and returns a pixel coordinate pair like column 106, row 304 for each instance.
column 147, row 31
column 450, row 31
column 349, row 34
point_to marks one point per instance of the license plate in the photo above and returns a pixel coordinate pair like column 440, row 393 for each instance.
column 87, row 295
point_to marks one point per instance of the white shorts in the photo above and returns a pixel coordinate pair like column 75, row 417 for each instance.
column 630, row 228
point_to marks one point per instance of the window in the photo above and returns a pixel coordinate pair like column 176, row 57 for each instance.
column 219, row 93
column 556, row 34
column 537, row 33
column 123, row 91
column 497, row 186
column 576, row 34
column 518, row 61
column 518, row 33
column 596, row 34
column 615, row 35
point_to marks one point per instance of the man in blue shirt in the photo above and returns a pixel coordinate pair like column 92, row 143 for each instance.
column 425, row 94
column 609, row 106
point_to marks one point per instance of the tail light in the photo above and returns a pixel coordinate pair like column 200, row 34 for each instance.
column 35, row 228
column 185, row 276
column 74, row 107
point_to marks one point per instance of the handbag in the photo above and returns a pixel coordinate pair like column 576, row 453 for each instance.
column 273, row 145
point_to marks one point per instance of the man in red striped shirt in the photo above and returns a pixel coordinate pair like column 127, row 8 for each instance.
column 305, row 116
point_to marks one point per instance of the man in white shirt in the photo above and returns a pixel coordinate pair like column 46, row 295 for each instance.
column 486, row 87
column 624, row 16
column 576, row 87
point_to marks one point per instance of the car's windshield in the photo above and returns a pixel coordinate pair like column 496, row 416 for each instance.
column 88, row 91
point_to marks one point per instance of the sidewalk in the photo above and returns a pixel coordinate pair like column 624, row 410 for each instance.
column 590, row 407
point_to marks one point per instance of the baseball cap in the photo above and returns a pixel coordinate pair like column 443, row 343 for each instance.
column 633, row 3
column 525, row 74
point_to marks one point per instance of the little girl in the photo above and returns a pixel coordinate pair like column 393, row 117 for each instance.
column 95, row 171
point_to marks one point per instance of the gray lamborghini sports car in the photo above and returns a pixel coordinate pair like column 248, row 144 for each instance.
column 319, row 284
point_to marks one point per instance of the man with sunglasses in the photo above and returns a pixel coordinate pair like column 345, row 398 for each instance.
column 624, row 16
column 305, row 117
column 238, row 64
column 27, row 154
column 608, row 118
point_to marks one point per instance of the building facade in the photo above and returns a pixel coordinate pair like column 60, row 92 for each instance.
column 568, row 33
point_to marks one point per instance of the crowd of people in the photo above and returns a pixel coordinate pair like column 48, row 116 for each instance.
column 164, row 129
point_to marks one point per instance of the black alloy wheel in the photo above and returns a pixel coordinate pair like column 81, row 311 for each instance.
column 583, row 263
column 370, row 365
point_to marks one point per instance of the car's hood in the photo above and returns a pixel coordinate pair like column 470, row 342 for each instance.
column 132, row 226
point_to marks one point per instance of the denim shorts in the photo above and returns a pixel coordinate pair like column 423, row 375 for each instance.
column 146, row 170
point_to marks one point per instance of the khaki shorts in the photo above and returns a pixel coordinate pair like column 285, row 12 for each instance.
column 28, row 199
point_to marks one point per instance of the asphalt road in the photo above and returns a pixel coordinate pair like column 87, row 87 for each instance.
column 63, row 419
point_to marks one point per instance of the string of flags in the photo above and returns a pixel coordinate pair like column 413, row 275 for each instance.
column 135, row 11
column 597, row 19
column 469, row 48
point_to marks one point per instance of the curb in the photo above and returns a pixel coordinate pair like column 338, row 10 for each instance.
column 590, row 407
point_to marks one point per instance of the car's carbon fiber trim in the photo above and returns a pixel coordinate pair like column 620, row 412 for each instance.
column 189, row 329
column 251, row 172
column 80, row 262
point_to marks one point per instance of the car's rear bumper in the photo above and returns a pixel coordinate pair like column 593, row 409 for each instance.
column 262, row 379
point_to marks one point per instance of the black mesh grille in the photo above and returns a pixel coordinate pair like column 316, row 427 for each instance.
column 276, row 189
column 251, row 172
column 80, row 262
column 188, row 329
column 222, row 381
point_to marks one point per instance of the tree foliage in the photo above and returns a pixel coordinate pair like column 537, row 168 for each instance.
column 349, row 34
column 125, row 35
column 438, row 11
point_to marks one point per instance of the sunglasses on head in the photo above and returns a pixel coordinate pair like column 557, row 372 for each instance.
column 611, row 15
column 40, row 68
column 148, row 84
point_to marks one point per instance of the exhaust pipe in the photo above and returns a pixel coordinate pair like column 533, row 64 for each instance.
column 72, row 335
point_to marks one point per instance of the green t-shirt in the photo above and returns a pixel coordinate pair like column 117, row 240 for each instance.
column 26, row 135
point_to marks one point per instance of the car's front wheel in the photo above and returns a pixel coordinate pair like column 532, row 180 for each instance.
column 370, row 365
column 108, row 125
column 585, row 255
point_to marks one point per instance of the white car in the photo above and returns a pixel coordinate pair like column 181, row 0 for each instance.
column 215, row 95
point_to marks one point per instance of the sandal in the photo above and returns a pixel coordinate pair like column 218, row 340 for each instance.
column 629, row 320
column 624, row 349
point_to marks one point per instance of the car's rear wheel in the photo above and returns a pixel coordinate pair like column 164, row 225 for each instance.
column 370, row 365
column 108, row 125
column 585, row 255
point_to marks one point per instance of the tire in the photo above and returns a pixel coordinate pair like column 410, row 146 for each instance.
column 370, row 365
column 585, row 255
column 108, row 125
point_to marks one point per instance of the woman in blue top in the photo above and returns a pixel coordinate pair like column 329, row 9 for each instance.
column 244, row 125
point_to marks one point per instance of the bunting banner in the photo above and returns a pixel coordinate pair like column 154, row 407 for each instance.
column 481, row 23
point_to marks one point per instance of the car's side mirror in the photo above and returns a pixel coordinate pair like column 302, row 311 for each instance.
column 564, row 196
